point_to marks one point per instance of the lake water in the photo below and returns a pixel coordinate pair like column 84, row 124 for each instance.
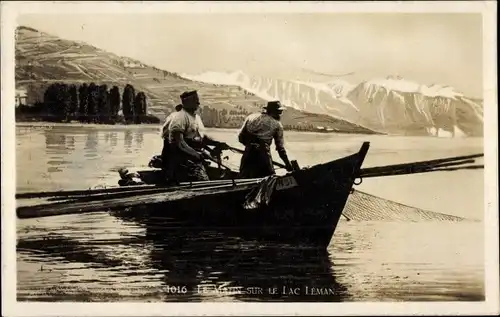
column 105, row 257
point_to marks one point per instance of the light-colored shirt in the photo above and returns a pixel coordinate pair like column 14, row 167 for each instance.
column 164, row 128
column 265, row 128
column 191, row 126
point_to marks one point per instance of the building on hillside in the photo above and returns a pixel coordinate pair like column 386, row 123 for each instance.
column 21, row 97
column 30, row 94
column 130, row 64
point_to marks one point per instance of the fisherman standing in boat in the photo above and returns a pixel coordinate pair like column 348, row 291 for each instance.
column 166, row 144
column 187, row 140
column 164, row 128
column 257, row 134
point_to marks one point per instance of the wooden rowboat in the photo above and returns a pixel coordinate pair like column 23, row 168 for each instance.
column 302, row 207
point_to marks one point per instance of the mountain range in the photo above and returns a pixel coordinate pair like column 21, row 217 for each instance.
column 391, row 105
column 388, row 105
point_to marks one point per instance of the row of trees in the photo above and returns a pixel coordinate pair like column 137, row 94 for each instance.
column 93, row 103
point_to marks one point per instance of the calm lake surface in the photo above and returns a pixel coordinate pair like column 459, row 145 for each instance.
column 105, row 257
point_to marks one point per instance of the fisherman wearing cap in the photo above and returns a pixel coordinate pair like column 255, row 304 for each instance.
column 257, row 134
column 187, row 139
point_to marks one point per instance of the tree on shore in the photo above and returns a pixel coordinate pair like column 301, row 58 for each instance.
column 139, row 107
column 114, row 101
column 92, row 103
column 103, row 114
column 144, row 109
column 73, row 102
column 83, row 97
column 63, row 102
column 56, row 102
column 128, row 103
column 49, row 101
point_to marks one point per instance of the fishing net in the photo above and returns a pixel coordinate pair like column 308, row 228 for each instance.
column 365, row 207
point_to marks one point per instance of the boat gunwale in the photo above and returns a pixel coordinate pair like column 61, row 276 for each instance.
column 164, row 197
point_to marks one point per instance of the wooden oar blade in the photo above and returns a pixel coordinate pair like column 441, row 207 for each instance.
column 62, row 195
column 423, row 170
column 417, row 167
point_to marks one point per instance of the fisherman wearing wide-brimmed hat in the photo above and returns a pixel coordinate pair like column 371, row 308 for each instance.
column 257, row 134
column 274, row 108
column 186, row 141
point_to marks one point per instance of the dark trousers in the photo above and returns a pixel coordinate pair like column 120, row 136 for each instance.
column 165, row 160
column 165, row 154
column 183, row 168
column 256, row 161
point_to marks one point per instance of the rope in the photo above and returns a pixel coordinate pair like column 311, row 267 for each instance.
column 365, row 207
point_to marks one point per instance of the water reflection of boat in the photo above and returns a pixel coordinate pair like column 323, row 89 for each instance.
column 204, row 265
column 57, row 247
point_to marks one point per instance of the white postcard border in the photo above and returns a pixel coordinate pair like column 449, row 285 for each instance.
column 9, row 11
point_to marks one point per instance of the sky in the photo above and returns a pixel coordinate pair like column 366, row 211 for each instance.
column 441, row 48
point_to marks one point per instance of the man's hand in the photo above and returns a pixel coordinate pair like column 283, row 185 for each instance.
column 285, row 159
column 204, row 155
column 198, row 156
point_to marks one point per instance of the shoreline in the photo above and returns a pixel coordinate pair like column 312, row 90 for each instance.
column 118, row 126
column 36, row 124
column 81, row 125
column 156, row 126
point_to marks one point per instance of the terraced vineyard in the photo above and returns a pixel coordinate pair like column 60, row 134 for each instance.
column 42, row 59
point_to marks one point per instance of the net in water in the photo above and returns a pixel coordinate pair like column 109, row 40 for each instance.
column 365, row 207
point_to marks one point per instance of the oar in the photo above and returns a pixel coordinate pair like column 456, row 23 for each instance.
column 389, row 168
column 114, row 189
column 469, row 167
column 410, row 169
column 81, row 207
column 211, row 158
column 148, row 191
column 422, row 170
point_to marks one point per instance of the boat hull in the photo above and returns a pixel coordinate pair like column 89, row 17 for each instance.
column 305, row 207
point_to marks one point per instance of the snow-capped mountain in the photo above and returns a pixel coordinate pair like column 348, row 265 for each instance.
column 392, row 105
column 325, row 98
column 401, row 106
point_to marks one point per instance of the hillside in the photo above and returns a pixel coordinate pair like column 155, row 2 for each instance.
column 394, row 106
column 42, row 59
